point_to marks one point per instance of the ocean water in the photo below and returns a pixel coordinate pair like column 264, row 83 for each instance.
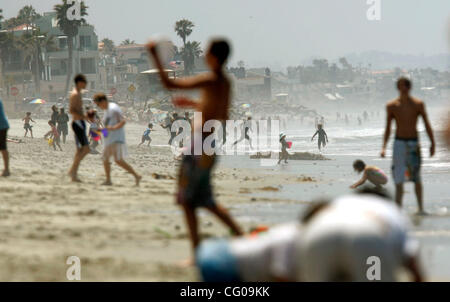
column 333, row 178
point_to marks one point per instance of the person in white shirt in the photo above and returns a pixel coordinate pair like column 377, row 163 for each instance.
column 341, row 240
column 268, row 257
column 115, row 145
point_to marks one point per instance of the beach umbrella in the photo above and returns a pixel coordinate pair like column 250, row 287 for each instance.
column 246, row 106
column 38, row 101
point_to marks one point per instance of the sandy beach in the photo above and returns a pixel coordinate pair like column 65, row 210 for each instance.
column 120, row 233
column 125, row 233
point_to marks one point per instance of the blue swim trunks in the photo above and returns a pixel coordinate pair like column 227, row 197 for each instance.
column 406, row 161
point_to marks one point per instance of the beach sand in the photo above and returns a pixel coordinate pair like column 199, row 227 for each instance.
column 124, row 233
column 120, row 233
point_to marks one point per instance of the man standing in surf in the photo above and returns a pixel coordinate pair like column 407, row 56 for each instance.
column 405, row 110
column 78, row 125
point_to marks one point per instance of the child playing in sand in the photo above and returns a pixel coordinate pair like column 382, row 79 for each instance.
column 371, row 173
column 4, row 126
column 53, row 134
column 194, row 182
column 284, row 146
column 323, row 137
column 146, row 136
column 94, row 130
column 115, row 145
column 26, row 125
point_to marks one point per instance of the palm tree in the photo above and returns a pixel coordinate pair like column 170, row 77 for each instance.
column 190, row 52
column 26, row 45
column 6, row 47
column 1, row 18
column 27, row 15
column 184, row 28
column 128, row 42
column 108, row 45
column 41, row 41
column 70, row 28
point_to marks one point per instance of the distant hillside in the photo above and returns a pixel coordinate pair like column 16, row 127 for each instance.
column 386, row 60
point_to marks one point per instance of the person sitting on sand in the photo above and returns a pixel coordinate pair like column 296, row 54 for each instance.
column 323, row 137
column 27, row 124
column 4, row 126
column 268, row 257
column 284, row 155
column 115, row 145
column 194, row 181
column 146, row 136
column 53, row 135
column 371, row 173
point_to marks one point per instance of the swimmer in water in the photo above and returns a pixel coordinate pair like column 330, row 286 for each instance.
column 323, row 137
column 371, row 173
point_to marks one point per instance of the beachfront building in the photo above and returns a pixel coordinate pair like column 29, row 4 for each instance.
column 256, row 86
column 53, row 65
column 85, row 54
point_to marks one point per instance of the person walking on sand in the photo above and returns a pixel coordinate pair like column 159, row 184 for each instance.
column 194, row 181
column 78, row 125
column 406, row 110
column 27, row 124
column 245, row 128
column 54, row 116
column 4, row 126
column 63, row 120
column 115, row 145
column 284, row 155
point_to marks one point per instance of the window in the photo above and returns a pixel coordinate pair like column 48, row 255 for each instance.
column 62, row 42
column 85, row 42
column 88, row 66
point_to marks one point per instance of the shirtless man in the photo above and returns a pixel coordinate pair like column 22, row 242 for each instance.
column 194, row 182
column 78, row 125
column 405, row 110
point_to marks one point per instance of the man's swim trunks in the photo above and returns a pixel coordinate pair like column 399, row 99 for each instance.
column 79, row 128
column 194, row 183
column 406, row 161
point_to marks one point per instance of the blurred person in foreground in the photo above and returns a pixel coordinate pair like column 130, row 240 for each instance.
column 407, row 159
column 340, row 238
column 194, row 181
column 4, row 127
column 268, row 257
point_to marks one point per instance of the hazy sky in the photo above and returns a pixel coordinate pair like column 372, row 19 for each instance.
column 274, row 32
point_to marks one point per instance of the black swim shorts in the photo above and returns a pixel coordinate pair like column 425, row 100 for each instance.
column 3, row 139
column 79, row 128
